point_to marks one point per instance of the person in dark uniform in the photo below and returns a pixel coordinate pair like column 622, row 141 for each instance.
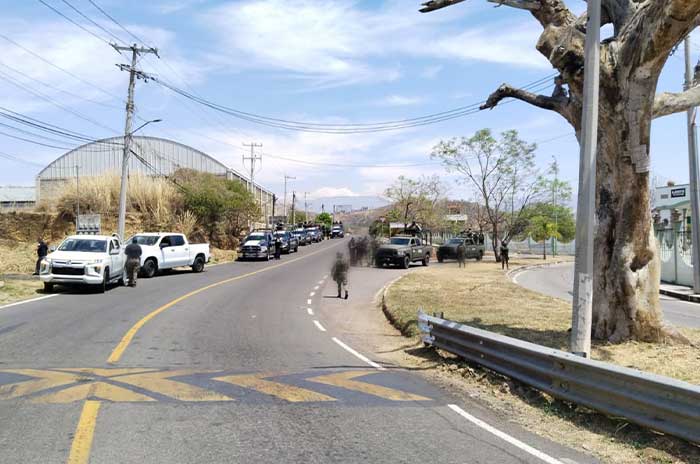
column 133, row 261
column 339, row 273
column 278, row 247
column 352, row 248
column 462, row 255
column 42, row 249
column 504, row 255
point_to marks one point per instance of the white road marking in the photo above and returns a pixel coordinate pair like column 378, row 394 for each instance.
column 312, row 294
column 504, row 436
column 29, row 301
column 310, row 311
column 319, row 326
column 325, row 277
column 317, row 287
column 320, row 282
column 308, row 302
column 364, row 358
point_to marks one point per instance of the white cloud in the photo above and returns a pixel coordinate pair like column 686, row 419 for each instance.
column 400, row 100
column 325, row 192
column 337, row 42
column 431, row 72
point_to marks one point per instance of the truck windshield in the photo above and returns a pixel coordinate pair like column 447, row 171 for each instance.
column 400, row 241
column 148, row 240
column 84, row 245
column 456, row 241
column 256, row 237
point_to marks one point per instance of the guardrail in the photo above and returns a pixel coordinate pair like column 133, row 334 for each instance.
column 660, row 403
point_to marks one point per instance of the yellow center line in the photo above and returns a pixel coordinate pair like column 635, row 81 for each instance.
column 82, row 442
column 84, row 433
column 129, row 336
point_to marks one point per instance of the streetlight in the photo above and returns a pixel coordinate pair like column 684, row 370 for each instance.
column 125, row 175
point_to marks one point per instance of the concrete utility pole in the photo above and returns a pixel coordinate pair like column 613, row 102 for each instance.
column 306, row 208
column 294, row 201
column 252, row 158
column 585, row 213
column 286, row 178
column 133, row 75
column 77, row 191
column 693, row 168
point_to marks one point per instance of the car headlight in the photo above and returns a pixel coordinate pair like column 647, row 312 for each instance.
column 45, row 266
column 263, row 248
column 400, row 253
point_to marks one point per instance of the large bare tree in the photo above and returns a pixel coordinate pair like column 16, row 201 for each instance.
column 626, row 275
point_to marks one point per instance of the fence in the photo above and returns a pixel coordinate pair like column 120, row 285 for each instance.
column 676, row 254
column 653, row 401
column 527, row 246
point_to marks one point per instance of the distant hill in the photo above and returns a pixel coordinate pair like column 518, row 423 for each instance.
column 358, row 202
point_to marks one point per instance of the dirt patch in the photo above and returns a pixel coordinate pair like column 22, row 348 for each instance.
column 12, row 291
column 482, row 296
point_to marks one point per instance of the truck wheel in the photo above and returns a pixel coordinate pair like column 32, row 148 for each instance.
column 406, row 262
column 150, row 267
column 105, row 280
column 198, row 265
column 426, row 260
column 481, row 255
column 48, row 287
column 440, row 259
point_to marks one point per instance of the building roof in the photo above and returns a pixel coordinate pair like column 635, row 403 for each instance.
column 17, row 194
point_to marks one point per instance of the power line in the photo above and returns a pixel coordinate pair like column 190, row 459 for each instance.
column 108, row 16
column 74, row 22
column 17, row 159
column 33, row 141
column 50, row 63
column 83, row 15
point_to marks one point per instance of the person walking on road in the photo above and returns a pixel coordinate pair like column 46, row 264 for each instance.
column 461, row 255
column 339, row 273
column 133, row 261
column 352, row 248
column 504, row 255
column 278, row 247
column 42, row 249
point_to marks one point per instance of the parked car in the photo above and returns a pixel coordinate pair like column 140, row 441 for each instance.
column 95, row 260
column 315, row 234
column 402, row 251
column 167, row 250
column 337, row 231
column 449, row 249
column 290, row 244
column 259, row 244
column 303, row 237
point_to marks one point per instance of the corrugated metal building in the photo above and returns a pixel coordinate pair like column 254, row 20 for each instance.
column 158, row 157
column 14, row 197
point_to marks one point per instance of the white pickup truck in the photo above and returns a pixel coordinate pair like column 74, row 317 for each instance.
column 96, row 260
column 160, row 251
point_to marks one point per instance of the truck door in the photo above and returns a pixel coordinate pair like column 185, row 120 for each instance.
column 182, row 250
column 116, row 258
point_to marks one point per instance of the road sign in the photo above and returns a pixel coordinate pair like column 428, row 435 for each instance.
column 89, row 224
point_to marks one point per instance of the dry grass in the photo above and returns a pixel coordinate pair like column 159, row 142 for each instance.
column 153, row 197
column 17, row 257
column 222, row 256
column 12, row 291
column 482, row 296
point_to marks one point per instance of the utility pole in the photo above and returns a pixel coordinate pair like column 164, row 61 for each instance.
column 693, row 168
column 306, row 208
column 133, row 75
column 294, row 201
column 286, row 178
column 585, row 214
column 272, row 218
column 77, row 191
column 555, row 168
column 252, row 158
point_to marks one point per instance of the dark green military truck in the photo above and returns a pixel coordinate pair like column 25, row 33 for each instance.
column 402, row 250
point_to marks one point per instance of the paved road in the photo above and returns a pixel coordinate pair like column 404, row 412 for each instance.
column 246, row 362
column 557, row 281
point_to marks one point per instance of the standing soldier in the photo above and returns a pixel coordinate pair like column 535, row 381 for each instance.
column 373, row 248
column 339, row 272
column 461, row 255
column 41, row 251
column 133, row 261
column 352, row 248
column 504, row 255
column 278, row 247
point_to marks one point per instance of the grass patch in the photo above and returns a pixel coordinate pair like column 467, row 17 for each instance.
column 222, row 256
column 17, row 257
column 13, row 291
column 483, row 296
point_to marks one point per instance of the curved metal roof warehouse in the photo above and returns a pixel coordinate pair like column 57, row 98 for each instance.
column 159, row 157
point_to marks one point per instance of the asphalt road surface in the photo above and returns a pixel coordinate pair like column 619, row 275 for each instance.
column 246, row 362
column 557, row 281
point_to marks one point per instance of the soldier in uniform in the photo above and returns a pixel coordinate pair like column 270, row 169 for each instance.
column 373, row 248
column 339, row 273
column 278, row 247
column 352, row 248
column 42, row 250
column 461, row 255
column 504, row 255
column 133, row 261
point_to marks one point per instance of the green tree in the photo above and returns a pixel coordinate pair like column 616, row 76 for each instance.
column 325, row 218
column 417, row 200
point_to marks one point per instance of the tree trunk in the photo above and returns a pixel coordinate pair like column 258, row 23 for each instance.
column 626, row 262
column 544, row 248
column 494, row 244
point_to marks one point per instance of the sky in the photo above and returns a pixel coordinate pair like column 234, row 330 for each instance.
column 326, row 61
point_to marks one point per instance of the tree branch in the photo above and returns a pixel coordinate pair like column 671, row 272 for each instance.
column 556, row 104
column 433, row 5
column 670, row 103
